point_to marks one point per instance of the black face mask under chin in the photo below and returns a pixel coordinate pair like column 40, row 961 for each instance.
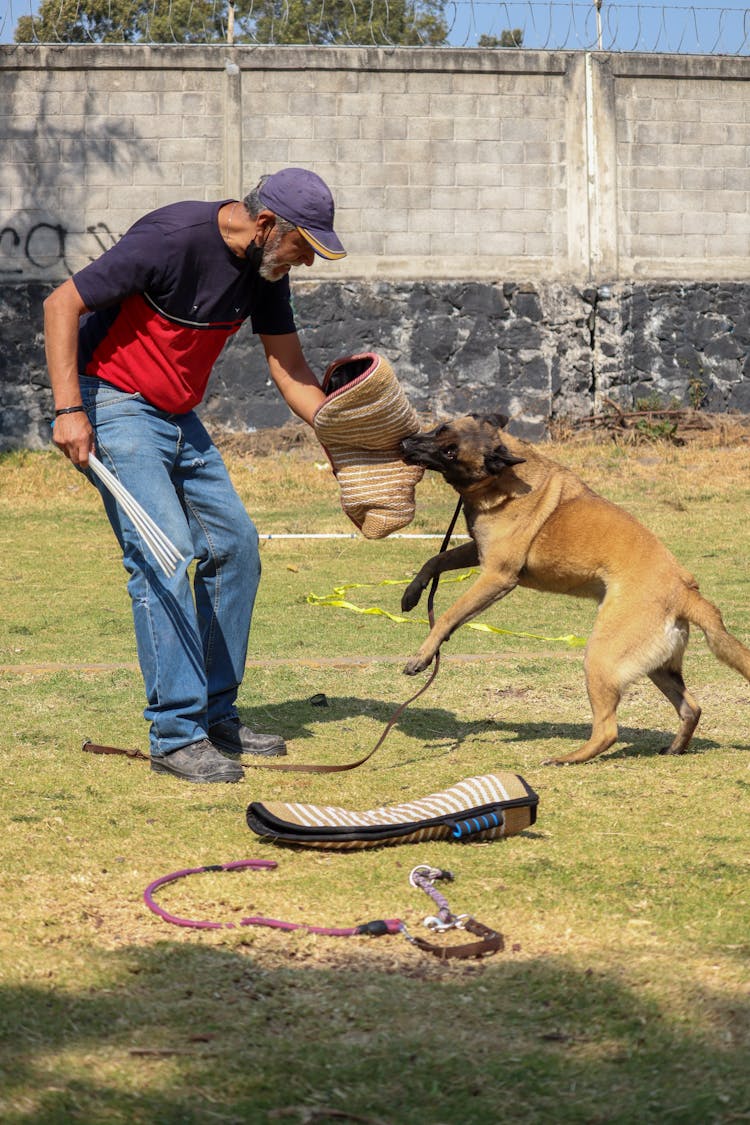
column 254, row 254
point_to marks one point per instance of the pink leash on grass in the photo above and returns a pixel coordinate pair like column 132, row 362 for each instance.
column 422, row 877
column 387, row 926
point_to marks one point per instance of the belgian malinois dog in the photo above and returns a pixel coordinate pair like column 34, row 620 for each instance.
column 533, row 523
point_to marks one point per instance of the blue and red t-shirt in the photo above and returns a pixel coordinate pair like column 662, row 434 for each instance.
column 165, row 300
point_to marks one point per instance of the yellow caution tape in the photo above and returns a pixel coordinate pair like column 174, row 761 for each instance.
column 337, row 600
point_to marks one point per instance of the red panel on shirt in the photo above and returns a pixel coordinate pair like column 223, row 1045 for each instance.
column 144, row 349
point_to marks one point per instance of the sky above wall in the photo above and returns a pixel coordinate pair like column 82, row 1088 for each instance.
column 681, row 26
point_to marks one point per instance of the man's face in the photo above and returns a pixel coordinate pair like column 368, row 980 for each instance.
column 282, row 252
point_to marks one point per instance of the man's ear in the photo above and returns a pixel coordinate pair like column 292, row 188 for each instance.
column 265, row 221
column 500, row 458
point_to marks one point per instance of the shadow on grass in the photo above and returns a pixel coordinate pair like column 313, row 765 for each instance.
column 187, row 1033
column 300, row 719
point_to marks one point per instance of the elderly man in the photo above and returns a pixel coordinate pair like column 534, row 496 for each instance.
column 131, row 340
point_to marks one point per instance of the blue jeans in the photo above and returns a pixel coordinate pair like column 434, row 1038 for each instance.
column 191, row 636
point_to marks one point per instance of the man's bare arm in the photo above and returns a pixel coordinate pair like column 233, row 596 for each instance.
column 292, row 375
column 63, row 310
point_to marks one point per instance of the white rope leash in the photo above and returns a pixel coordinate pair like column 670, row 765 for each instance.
column 164, row 551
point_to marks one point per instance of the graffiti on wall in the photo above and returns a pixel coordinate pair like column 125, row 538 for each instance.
column 30, row 249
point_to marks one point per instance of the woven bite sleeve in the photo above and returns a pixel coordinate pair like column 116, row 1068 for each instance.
column 360, row 424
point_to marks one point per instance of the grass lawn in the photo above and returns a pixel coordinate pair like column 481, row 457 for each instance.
column 623, row 992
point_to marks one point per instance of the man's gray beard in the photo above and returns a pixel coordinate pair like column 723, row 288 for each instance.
column 269, row 265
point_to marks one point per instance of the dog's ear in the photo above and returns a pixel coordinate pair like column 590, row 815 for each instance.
column 500, row 458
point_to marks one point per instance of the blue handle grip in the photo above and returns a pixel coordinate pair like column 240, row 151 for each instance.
column 475, row 824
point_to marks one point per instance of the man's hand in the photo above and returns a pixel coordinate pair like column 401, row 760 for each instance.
column 74, row 435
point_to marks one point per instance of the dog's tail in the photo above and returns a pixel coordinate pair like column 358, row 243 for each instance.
column 703, row 613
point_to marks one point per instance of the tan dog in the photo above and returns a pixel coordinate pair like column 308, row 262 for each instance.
column 535, row 524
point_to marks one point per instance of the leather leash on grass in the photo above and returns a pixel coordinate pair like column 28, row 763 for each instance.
column 423, row 877
column 289, row 767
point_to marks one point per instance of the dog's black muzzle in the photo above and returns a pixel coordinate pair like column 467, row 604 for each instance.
column 419, row 449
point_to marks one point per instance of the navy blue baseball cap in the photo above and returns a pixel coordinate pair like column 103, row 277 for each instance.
column 302, row 198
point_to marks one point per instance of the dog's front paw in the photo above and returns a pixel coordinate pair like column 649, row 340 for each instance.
column 411, row 595
column 415, row 664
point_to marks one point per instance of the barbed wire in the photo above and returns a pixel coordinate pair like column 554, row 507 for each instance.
column 554, row 25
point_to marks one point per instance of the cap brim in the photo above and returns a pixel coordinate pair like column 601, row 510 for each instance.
column 325, row 243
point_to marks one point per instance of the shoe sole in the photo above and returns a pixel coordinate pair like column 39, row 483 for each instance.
column 159, row 767
column 277, row 751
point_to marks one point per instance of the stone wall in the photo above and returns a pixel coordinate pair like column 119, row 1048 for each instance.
column 536, row 351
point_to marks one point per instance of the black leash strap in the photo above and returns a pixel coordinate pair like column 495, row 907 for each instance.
column 90, row 747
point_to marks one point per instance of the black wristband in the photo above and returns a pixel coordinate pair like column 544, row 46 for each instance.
column 70, row 410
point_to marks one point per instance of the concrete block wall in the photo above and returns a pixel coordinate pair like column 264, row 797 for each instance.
column 96, row 138
column 683, row 148
column 457, row 167
column 445, row 163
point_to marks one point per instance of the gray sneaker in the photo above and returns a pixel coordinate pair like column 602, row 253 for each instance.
column 200, row 761
column 233, row 737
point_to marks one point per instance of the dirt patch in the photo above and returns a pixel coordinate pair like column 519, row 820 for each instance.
column 653, row 427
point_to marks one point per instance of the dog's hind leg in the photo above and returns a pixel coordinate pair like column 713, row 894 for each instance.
column 604, row 696
column 611, row 666
column 670, row 682
column 667, row 677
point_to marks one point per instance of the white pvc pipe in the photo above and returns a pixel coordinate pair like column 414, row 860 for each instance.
column 164, row 551
column 346, row 535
